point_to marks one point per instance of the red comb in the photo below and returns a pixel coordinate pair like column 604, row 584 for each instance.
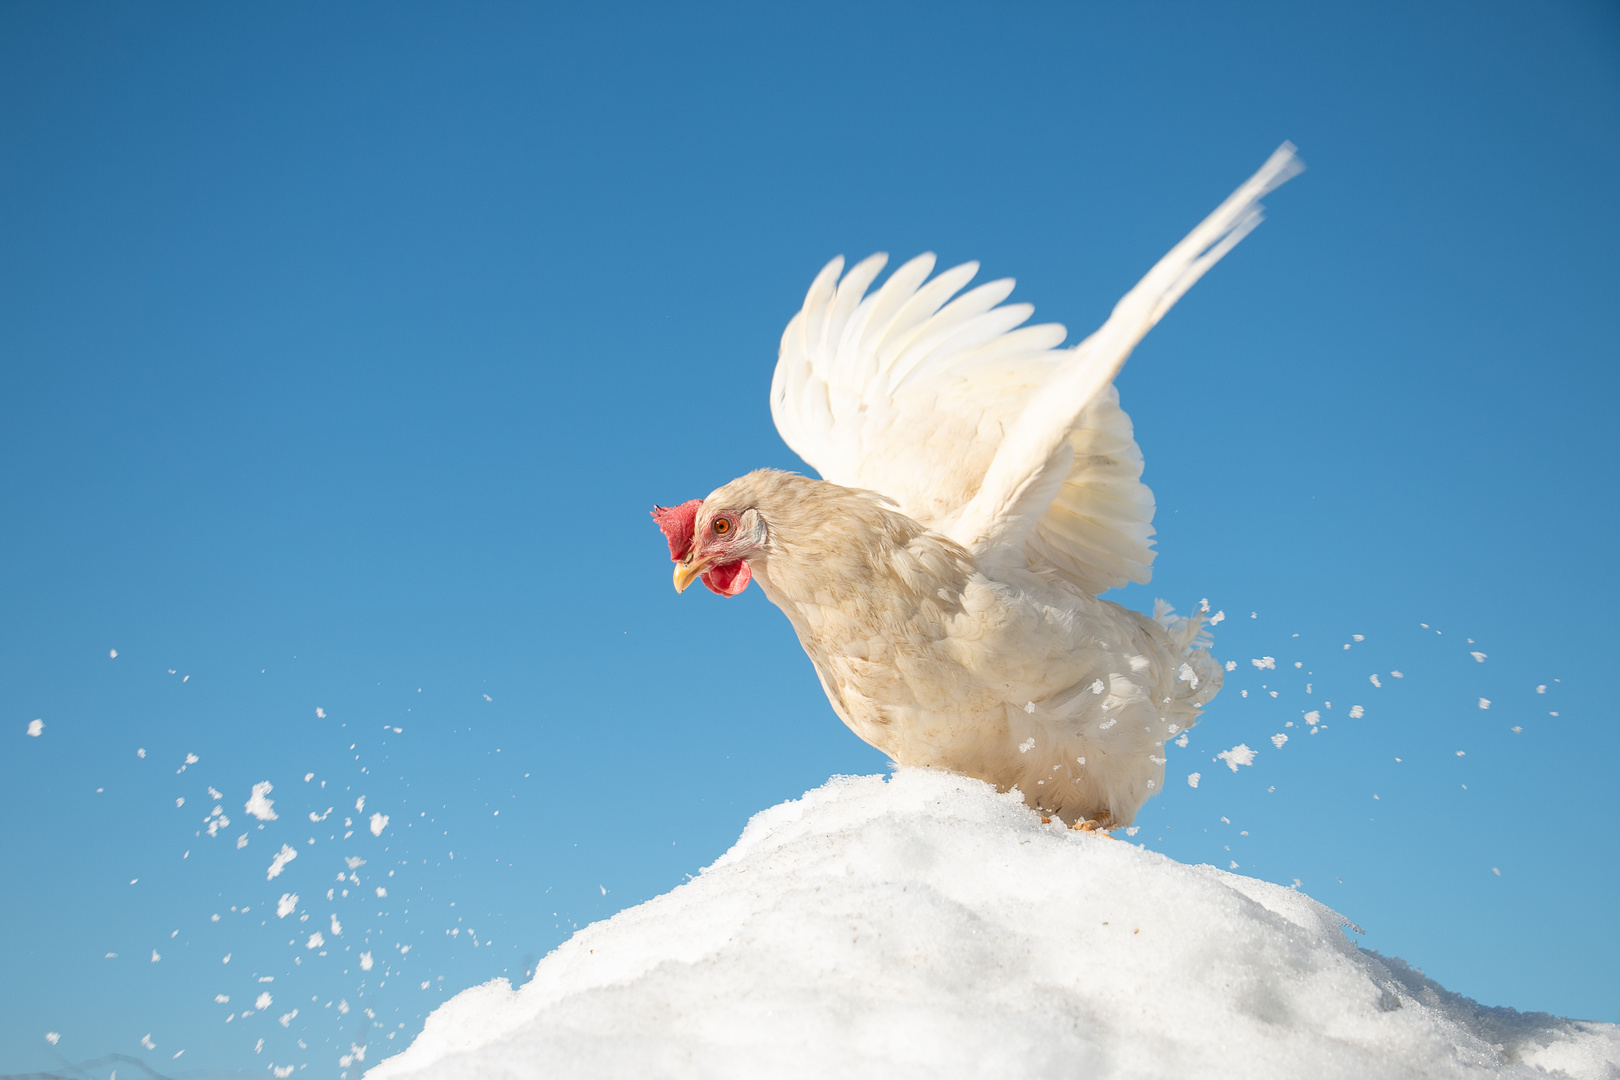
column 678, row 523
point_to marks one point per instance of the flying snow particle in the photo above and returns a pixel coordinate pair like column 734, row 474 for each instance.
column 146, row 1041
column 315, row 941
column 53, row 1037
column 35, row 727
column 1461, row 753
column 1187, row 675
column 1479, row 657
column 140, row 752
column 1231, row 665
column 365, row 961
column 259, row 806
column 1238, row 755
column 1029, row 706
column 1357, row 712
column 381, row 892
column 1027, row 745
column 360, row 805
column 1313, row 717
column 337, row 927
column 1265, row 662
column 287, row 1018
column 263, row 1001
column 1397, row 675
column 1193, row 778
column 1542, row 689
column 320, row 713
column 1495, row 871
column 156, row 956
column 379, row 822
column 222, row 999
column 1517, row 729
column 1278, row 739
column 1097, row 686
column 279, row 861
column 286, row 905
column 1484, row 703
column 1374, row 680
column 1358, row 637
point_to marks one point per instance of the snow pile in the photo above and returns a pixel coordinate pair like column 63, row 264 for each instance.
column 927, row 926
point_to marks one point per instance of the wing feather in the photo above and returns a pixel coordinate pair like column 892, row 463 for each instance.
column 979, row 426
column 943, row 326
column 848, row 298
column 999, row 516
column 921, row 309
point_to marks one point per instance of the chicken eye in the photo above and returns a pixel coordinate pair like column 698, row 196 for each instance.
column 721, row 526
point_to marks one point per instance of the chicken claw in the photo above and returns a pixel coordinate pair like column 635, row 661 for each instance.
column 1103, row 824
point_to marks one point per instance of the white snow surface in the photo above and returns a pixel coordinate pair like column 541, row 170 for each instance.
column 926, row 926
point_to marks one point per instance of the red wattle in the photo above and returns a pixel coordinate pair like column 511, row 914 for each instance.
column 728, row 579
column 678, row 523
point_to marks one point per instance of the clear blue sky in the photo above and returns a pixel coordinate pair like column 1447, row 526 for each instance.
column 343, row 349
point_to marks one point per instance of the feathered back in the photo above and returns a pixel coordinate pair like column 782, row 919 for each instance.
column 982, row 428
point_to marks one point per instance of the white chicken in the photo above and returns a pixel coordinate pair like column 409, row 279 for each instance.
column 981, row 487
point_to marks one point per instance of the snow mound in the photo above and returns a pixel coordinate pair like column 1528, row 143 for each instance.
column 928, row 926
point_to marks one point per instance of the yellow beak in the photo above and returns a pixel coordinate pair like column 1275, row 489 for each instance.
column 687, row 572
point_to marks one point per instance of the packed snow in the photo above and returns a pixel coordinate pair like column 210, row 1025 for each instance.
column 925, row 925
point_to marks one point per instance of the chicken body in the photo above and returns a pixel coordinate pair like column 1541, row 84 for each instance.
column 1019, row 679
column 981, row 487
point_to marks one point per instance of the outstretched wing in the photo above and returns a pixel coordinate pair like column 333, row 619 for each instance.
column 978, row 426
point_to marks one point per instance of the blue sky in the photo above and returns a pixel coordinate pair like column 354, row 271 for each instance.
column 343, row 350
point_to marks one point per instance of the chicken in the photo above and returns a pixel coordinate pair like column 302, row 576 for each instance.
column 980, row 487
